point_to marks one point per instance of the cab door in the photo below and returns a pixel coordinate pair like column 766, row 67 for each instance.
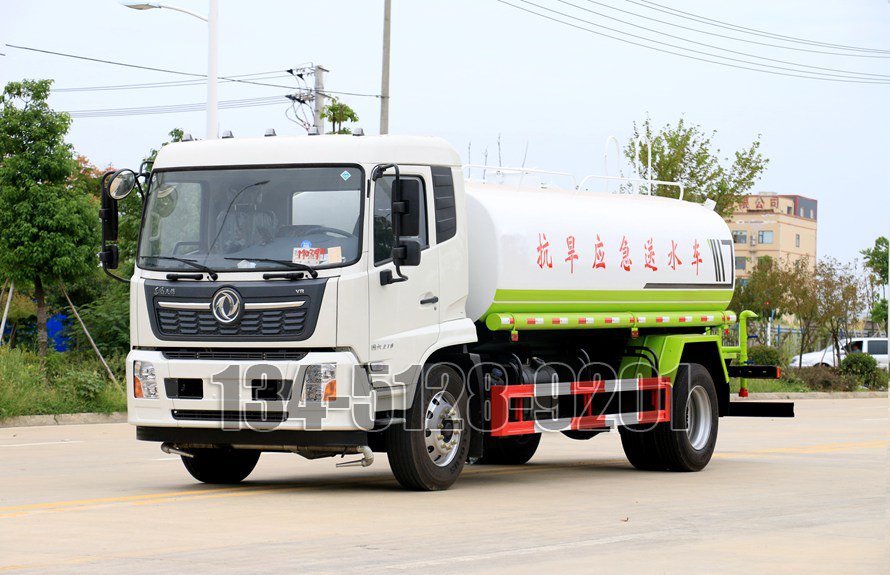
column 404, row 315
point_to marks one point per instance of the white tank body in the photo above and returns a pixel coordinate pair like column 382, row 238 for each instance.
column 552, row 250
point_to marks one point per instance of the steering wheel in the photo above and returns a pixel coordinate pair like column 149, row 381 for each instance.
column 324, row 229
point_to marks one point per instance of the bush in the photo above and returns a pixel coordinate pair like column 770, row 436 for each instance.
column 823, row 379
column 764, row 355
column 58, row 383
column 864, row 368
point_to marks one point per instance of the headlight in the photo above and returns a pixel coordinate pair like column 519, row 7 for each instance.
column 145, row 384
column 320, row 383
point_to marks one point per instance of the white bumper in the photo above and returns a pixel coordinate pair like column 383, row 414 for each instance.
column 229, row 399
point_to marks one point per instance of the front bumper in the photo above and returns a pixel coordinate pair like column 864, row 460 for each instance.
column 229, row 399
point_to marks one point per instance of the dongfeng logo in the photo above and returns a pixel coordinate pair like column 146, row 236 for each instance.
column 226, row 305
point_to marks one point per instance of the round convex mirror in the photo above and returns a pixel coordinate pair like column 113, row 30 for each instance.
column 122, row 183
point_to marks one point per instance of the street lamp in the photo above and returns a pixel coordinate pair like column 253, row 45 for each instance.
column 212, row 20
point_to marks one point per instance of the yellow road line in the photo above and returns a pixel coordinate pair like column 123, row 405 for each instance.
column 240, row 491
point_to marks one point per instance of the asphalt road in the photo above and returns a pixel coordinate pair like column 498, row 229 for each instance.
column 806, row 495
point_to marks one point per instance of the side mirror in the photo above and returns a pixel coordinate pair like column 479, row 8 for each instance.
column 407, row 208
column 121, row 184
column 109, row 257
column 407, row 253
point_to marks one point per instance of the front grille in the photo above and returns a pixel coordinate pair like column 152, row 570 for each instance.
column 199, row 323
column 236, row 354
column 230, row 415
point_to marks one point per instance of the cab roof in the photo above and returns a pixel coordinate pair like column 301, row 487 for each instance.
column 327, row 149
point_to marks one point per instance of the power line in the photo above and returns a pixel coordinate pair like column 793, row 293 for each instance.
column 753, row 31
column 138, row 67
column 801, row 75
column 150, row 85
column 700, row 31
column 849, row 73
column 177, row 108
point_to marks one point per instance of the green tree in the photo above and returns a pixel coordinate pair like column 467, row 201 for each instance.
column 684, row 153
column 337, row 113
column 840, row 301
column 875, row 260
column 48, row 229
column 764, row 293
column 802, row 298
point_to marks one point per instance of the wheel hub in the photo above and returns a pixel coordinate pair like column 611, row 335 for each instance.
column 698, row 418
column 442, row 428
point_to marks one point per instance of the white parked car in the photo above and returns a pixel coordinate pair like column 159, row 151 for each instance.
column 874, row 346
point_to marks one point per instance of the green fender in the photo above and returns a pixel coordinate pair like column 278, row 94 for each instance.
column 669, row 350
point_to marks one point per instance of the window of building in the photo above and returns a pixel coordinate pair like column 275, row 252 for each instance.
column 741, row 263
column 740, row 236
column 789, row 210
column 765, row 237
column 797, row 240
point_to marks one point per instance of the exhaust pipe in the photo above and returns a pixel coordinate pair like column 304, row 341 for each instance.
column 366, row 460
column 172, row 450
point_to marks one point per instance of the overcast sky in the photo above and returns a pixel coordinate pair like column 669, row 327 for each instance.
column 467, row 70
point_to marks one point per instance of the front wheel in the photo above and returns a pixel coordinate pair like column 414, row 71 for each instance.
column 428, row 451
column 221, row 465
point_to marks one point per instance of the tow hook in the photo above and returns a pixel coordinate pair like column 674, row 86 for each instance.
column 172, row 450
column 366, row 460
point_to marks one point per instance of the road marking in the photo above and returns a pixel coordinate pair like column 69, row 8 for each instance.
column 246, row 490
column 42, row 443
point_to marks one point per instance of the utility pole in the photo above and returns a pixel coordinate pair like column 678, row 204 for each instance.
column 384, row 83
column 212, row 69
column 318, row 100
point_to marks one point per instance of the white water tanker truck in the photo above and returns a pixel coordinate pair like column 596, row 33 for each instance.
column 338, row 295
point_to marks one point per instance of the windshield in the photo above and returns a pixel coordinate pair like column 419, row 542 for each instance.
column 265, row 219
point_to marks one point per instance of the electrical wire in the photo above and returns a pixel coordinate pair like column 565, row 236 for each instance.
column 753, row 31
column 718, row 47
column 177, row 108
column 688, row 56
column 172, row 84
column 700, row 31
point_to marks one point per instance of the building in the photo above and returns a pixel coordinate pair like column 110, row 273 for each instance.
column 769, row 224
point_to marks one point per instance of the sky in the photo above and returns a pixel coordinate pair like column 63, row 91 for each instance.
column 473, row 70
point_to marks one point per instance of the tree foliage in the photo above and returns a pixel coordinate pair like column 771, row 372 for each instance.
column 685, row 153
column 338, row 113
column 876, row 264
column 48, row 227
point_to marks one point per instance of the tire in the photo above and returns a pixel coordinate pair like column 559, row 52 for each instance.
column 514, row 450
column 422, row 455
column 221, row 465
column 687, row 442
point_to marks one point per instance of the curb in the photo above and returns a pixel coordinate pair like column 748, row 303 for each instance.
column 64, row 419
column 816, row 395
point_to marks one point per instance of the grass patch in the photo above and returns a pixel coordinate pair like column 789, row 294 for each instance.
column 769, row 386
column 59, row 383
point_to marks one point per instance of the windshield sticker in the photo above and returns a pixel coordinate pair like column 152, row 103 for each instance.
column 335, row 255
column 306, row 244
column 345, row 175
column 246, row 264
column 311, row 256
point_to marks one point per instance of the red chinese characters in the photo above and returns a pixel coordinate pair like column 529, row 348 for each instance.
column 650, row 255
column 599, row 261
column 673, row 260
column 544, row 258
column 696, row 256
column 625, row 255
column 570, row 243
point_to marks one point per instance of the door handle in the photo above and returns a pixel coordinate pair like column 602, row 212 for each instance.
column 429, row 300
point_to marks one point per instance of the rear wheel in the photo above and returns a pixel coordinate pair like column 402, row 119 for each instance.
column 687, row 442
column 514, row 450
column 221, row 465
column 428, row 451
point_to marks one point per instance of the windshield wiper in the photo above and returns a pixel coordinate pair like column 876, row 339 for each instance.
column 292, row 265
column 213, row 275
